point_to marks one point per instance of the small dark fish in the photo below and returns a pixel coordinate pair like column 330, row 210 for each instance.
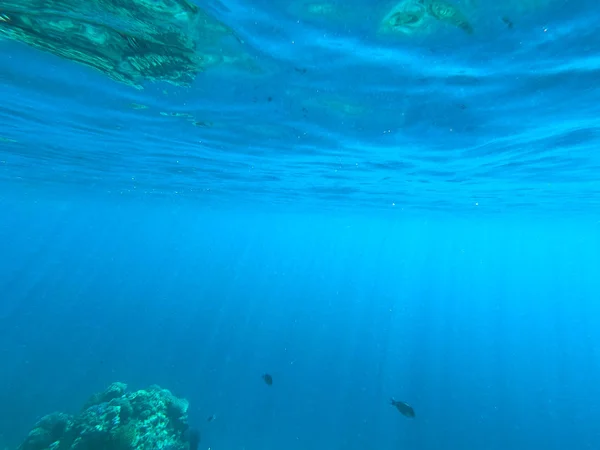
column 268, row 379
column 194, row 439
column 404, row 408
column 211, row 418
column 508, row 22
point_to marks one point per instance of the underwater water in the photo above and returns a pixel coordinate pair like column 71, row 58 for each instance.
column 365, row 201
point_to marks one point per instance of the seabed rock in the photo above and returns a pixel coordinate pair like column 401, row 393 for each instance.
column 131, row 41
column 410, row 16
column 148, row 419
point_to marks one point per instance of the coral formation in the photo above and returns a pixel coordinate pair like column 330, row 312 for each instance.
column 131, row 41
column 408, row 16
column 148, row 419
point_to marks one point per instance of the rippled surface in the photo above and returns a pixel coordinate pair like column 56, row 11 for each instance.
column 331, row 110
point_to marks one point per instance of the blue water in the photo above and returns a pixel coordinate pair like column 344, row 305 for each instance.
column 364, row 217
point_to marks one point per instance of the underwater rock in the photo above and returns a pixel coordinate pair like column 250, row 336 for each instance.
column 131, row 41
column 115, row 390
column 426, row 17
column 410, row 16
column 46, row 431
column 406, row 17
column 449, row 13
column 115, row 419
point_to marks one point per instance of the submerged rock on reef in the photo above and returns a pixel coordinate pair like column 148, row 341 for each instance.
column 129, row 40
column 429, row 17
column 410, row 16
column 148, row 419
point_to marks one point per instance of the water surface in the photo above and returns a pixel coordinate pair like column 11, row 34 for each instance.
column 322, row 107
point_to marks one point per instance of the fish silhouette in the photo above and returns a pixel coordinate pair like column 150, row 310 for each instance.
column 404, row 408
column 268, row 379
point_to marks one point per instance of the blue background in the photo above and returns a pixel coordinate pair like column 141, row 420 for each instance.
column 490, row 329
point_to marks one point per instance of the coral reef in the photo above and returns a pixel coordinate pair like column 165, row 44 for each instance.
column 408, row 16
column 148, row 419
column 131, row 41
